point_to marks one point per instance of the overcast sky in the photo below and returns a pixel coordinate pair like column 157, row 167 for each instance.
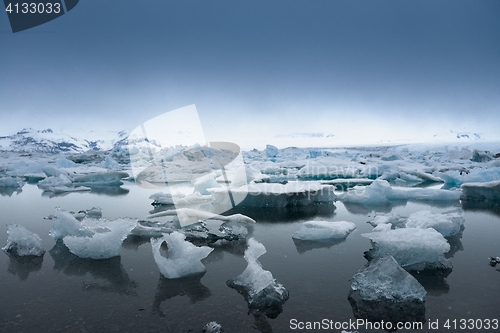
column 365, row 71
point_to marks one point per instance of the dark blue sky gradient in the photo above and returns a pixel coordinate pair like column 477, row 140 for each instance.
column 273, row 66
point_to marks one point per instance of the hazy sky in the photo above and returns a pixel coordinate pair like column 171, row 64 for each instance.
column 366, row 71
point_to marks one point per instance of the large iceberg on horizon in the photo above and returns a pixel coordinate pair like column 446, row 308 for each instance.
column 22, row 242
column 384, row 279
column 321, row 230
column 413, row 248
column 184, row 258
column 261, row 290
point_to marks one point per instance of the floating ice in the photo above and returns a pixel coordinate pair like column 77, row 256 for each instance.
column 271, row 151
column 189, row 216
column 67, row 225
column 447, row 224
column 384, row 279
column 258, row 286
column 278, row 195
column 54, row 181
column 11, row 182
column 51, row 171
column 203, row 183
column 487, row 191
column 161, row 198
column 391, row 218
column 318, row 230
column 110, row 178
column 110, row 164
column 22, row 242
column 212, row 327
column 104, row 243
column 413, row 248
column 183, row 258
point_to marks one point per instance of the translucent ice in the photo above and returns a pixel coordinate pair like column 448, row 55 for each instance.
column 110, row 178
column 258, row 286
column 54, row 181
column 413, row 248
column 22, row 242
column 183, row 258
column 384, row 279
column 318, row 230
column 271, row 151
column 447, row 224
column 201, row 184
column 11, row 182
column 104, row 243
column 67, row 225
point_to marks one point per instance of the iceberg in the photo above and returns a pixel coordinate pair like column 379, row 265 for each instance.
column 11, row 182
column 390, row 218
column 184, row 258
column 110, row 178
column 384, row 279
column 161, row 198
column 189, row 216
column 22, row 242
column 447, row 224
column 212, row 327
column 67, row 225
column 105, row 242
column 271, row 151
column 321, row 230
column 413, row 248
column 483, row 191
column 202, row 184
column 54, row 181
column 278, row 195
column 261, row 290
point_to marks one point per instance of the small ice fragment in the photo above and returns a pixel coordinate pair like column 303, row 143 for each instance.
column 384, row 279
column 22, row 242
column 67, row 225
column 318, row 230
column 212, row 327
column 183, row 259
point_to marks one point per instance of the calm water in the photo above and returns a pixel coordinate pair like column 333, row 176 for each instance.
column 67, row 294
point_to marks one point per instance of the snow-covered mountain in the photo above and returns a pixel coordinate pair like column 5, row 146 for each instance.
column 29, row 140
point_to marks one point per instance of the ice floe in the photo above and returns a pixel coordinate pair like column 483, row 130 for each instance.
column 447, row 224
column 21, row 242
column 261, row 290
column 321, row 230
column 384, row 279
column 183, row 258
column 413, row 248
column 487, row 191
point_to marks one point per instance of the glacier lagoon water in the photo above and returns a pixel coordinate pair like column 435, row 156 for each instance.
column 128, row 293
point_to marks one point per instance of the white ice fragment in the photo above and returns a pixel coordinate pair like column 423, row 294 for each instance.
column 67, row 225
column 271, row 151
column 189, row 216
column 22, row 242
column 51, row 171
column 447, row 224
column 110, row 178
column 390, row 218
column 379, row 192
column 183, row 258
column 110, row 164
column 413, row 248
column 319, row 230
column 382, row 227
column 104, row 243
column 54, row 181
column 384, row 279
column 201, row 184
column 161, row 198
column 11, row 182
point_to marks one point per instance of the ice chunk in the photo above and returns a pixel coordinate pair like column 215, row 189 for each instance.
column 67, row 225
column 161, row 198
column 145, row 228
column 22, row 242
column 318, row 230
column 11, row 182
column 485, row 191
column 271, row 151
column 481, row 156
column 278, row 195
column 104, row 243
column 431, row 194
column 110, row 178
column 51, row 171
column 262, row 292
column 54, row 181
column 382, row 227
column 189, row 216
column 183, row 258
column 110, row 164
column 447, row 224
column 212, row 327
column 413, row 248
column 63, row 162
column 379, row 192
column 391, row 218
column 384, row 279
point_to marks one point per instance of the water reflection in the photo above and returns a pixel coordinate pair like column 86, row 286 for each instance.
column 23, row 266
column 110, row 271
column 306, row 245
column 433, row 281
column 387, row 311
column 9, row 191
column 482, row 206
column 190, row 286
column 287, row 214
column 455, row 242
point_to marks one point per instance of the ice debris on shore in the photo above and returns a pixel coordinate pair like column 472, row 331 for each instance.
column 183, row 259
column 261, row 290
column 384, row 279
column 22, row 242
column 321, row 230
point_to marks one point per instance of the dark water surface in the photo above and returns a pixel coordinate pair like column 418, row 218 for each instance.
column 64, row 293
